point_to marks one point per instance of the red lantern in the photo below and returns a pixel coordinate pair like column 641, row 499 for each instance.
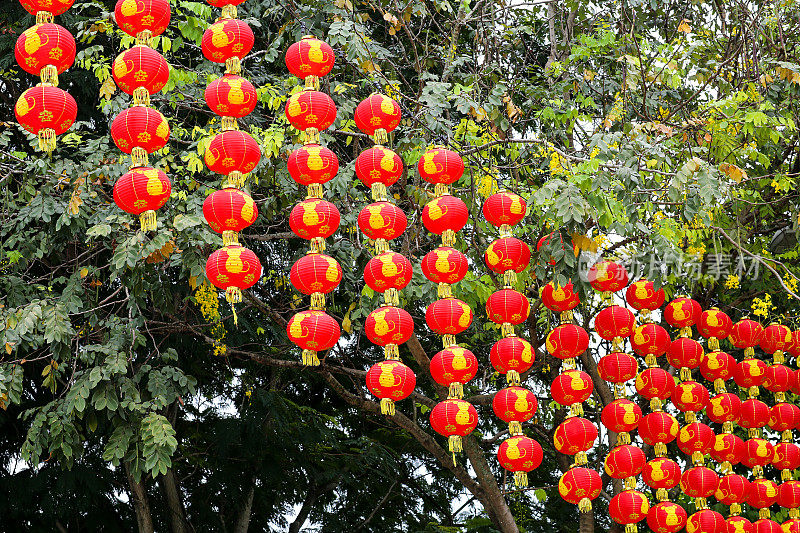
column 504, row 208
column 757, row 452
column 440, row 165
column 227, row 38
column 444, row 213
column 682, row 313
column 650, row 339
column 140, row 66
column 794, row 384
column 714, row 323
column 791, row 526
column 628, row 507
column 696, row 437
column 310, row 109
column 507, row 253
column 512, row 354
column 310, row 57
column 765, row 525
column 560, row 299
column 231, row 151
column 444, row 265
column 388, row 270
column 777, row 378
column 223, row 3
column 229, row 210
column 746, row 333
column 699, row 482
column 617, row 367
column 661, row 473
column 313, row 218
column 763, row 493
column 607, row 276
column 655, row 383
column 378, row 112
column 448, row 316
column 642, row 295
column 658, row 427
column 724, row 407
column 382, row 220
column 739, row 524
column 379, row 165
column 55, row 7
column 454, row 418
column 580, row 485
column 233, row 268
column 231, row 96
column 313, row 330
column 717, row 365
column 727, row 447
column 776, row 337
column 705, row 521
column 389, row 325
column 315, row 273
column 140, row 127
column 45, row 44
column 666, row 517
column 571, row 386
column 786, row 457
column 141, row 192
column 690, row 396
column 390, row 381
column 567, row 341
column 312, row 163
column 136, row 16
column 794, row 349
column 507, row 306
column 515, row 404
column 789, row 494
column 520, row 455
column 755, row 414
column 732, row 489
column 685, row 353
column 750, row 373
column 614, row 321
column 624, row 461
column 46, row 111
column 453, row 365
column 574, row 435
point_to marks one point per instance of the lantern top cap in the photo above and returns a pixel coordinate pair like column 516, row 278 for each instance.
column 309, row 36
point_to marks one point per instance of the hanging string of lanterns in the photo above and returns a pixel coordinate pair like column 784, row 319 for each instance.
column 511, row 355
column 46, row 50
column 387, row 272
column 453, row 366
column 232, row 153
column 141, row 130
column 787, row 455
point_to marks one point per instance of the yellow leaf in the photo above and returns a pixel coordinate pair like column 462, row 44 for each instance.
column 108, row 88
column 733, row 172
column 684, row 26
column 193, row 282
column 9, row 347
column 346, row 325
column 84, row 272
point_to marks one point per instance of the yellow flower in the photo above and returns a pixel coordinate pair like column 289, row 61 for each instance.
column 732, row 282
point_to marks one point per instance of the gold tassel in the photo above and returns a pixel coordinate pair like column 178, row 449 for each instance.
column 448, row 340
column 378, row 191
column 44, row 17
column 49, row 75
column 778, row 358
column 607, row 297
column 650, row 360
column 660, row 449
column 758, row 472
column 698, row 459
column 444, row 290
column 752, row 392
column 449, row 238
column 456, row 390
column 513, row 378
column 581, row 459
column 700, row 503
column 726, row 467
column 312, row 82
column 235, row 316
column 764, row 514
column 514, row 428
column 381, row 246
column 381, row 136
column 387, row 406
column 719, row 385
column 233, row 295
column 509, row 278
column 794, row 513
column 229, row 12
column 144, row 38
column 585, row 505
column 616, row 344
column 505, row 230
column 619, row 391
column 631, row 528
column 148, row 220
column 727, row 427
column 786, row 435
column 229, row 237
column 317, row 245
column 521, row 479
column 566, row 316
column 310, row 358
column 507, row 329
column 686, row 374
column 690, row 417
column 644, row 316
column 623, row 438
column 391, row 297
column 440, row 189
column 317, row 301
column 234, row 180
column 780, row 397
column 736, row 509
column 662, row 494
column 233, row 65
column 47, row 140
column 454, row 443
column 391, row 352
column 576, row 409
column 749, row 352
column 656, row 405
column 569, row 364
column 315, row 190
column 713, row 344
column 786, row 475
column 311, row 136
column 141, row 97
column 686, row 332
column 229, row 124
column 139, row 157
column 629, row 483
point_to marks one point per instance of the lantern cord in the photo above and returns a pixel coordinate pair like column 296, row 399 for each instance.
column 454, row 443
column 310, row 358
column 229, row 237
column 312, row 82
column 44, row 17
column 49, row 75
column 455, row 390
column 585, row 505
column 233, row 65
column 387, row 406
column 235, row 316
column 521, row 479
column 148, row 220
column 141, row 97
column 47, row 140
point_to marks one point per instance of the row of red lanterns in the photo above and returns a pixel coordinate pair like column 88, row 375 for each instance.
column 46, row 50
column 314, row 219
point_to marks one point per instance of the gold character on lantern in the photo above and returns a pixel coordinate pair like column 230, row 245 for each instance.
column 428, row 162
column 129, row 8
column 310, row 215
column 388, row 266
column 387, row 377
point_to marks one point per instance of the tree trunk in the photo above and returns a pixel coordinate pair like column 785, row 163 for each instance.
column 586, row 524
column 243, row 522
column 141, row 505
column 494, row 502
column 177, row 516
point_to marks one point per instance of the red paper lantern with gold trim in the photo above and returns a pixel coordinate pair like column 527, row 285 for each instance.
column 520, row 455
column 448, row 316
column 658, row 427
column 739, row 524
column 454, row 417
column 724, row 407
column 696, row 437
column 231, row 96
column 776, row 337
column 666, row 517
column 227, row 38
column 379, row 165
column 313, row 218
column 560, row 299
column 661, row 473
column 310, row 57
column 507, row 306
column 229, row 210
column 140, row 66
column 614, row 321
column 378, row 112
column 453, row 365
column 621, row 415
column 391, row 380
column 732, row 489
column 135, row 16
column 642, row 295
column 571, row 386
column 512, row 353
column 515, row 404
column 766, row 525
column 444, row 265
column 440, row 165
column 388, row 270
column 389, row 325
column 754, row 414
column 445, row 213
column 43, row 108
column 746, row 333
column 231, row 151
column 624, row 461
column 682, row 312
column 312, row 163
column 628, row 507
column 717, row 365
column 507, row 253
column 580, row 485
column 141, row 190
column 504, row 208
column 650, row 339
column 777, row 378
column 757, row 452
column 574, row 435
column 685, row 352
column 382, row 220
column 567, row 341
column 794, row 349
column 233, row 268
column 45, row 44
column 791, row 526
column 786, row 456
column 607, row 276
column 750, row 373
column 313, row 330
column 794, row 384
column 789, row 494
column 315, row 273
column 705, row 521
column 617, row 367
column 714, row 323
column 310, row 109
column 699, row 482
column 140, row 127
column 655, row 383
column 690, row 396
column 56, row 7
column 727, row 447
column 763, row 493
